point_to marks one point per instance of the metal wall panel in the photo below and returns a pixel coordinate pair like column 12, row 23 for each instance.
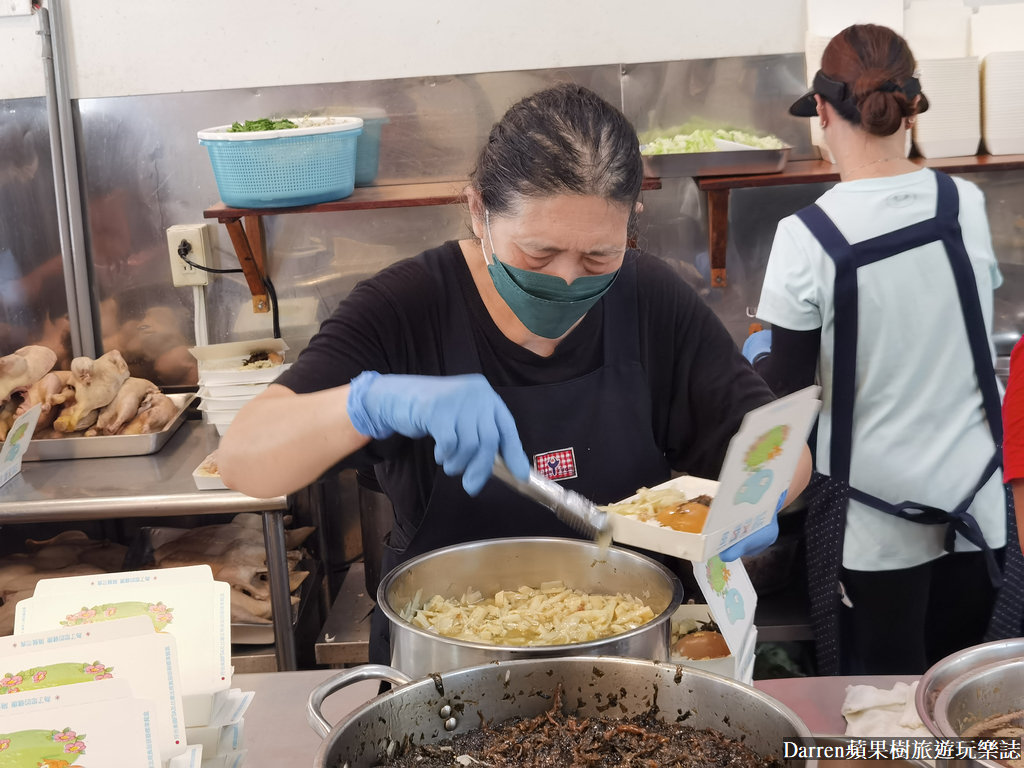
column 751, row 93
column 143, row 170
column 33, row 302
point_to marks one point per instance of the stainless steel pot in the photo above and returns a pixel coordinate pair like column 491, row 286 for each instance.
column 436, row 707
column 838, row 742
column 496, row 564
column 970, row 686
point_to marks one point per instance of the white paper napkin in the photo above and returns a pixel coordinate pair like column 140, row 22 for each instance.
column 871, row 711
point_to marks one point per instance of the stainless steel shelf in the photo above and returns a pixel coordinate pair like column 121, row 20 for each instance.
column 126, row 486
column 255, row 658
column 154, row 485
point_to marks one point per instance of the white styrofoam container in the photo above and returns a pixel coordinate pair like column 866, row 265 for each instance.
column 247, row 391
column 952, row 125
column 206, row 482
column 214, row 404
column 219, row 417
column 1002, row 102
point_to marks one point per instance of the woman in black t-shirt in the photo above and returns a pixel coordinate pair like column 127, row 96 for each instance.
column 544, row 339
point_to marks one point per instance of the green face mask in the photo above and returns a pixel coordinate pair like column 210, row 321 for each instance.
column 547, row 305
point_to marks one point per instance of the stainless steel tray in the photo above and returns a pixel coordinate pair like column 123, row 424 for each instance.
column 721, row 163
column 78, row 446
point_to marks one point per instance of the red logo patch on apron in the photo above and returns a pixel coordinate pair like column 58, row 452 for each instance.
column 556, row 465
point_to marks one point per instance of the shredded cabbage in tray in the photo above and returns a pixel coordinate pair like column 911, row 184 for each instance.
column 703, row 140
column 550, row 615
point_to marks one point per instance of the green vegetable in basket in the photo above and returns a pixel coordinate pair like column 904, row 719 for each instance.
column 263, row 124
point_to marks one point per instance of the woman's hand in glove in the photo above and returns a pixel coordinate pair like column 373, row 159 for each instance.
column 469, row 422
column 758, row 541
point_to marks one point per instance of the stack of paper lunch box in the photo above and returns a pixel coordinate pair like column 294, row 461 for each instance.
column 130, row 669
column 232, row 374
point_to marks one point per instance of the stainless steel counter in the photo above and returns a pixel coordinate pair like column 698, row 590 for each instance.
column 276, row 732
column 152, row 486
column 129, row 486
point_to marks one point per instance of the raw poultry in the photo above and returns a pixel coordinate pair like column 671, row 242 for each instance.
column 96, row 383
column 23, row 368
column 69, row 553
column 236, row 553
column 7, row 416
column 46, row 393
column 155, row 412
column 95, row 397
column 124, row 406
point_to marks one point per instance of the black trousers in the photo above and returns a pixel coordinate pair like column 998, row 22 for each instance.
column 903, row 621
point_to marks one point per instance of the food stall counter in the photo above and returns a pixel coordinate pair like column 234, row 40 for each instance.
column 276, row 731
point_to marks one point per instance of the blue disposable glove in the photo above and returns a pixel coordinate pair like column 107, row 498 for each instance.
column 759, row 540
column 757, row 345
column 469, row 423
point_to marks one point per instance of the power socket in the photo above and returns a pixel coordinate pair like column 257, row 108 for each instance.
column 191, row 241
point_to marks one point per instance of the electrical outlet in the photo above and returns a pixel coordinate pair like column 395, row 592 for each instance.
column 192, row 242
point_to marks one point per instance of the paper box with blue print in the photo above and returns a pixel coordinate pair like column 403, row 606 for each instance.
column 696, row 518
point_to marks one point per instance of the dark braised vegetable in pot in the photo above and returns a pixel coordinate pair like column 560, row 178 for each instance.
column 558, row 739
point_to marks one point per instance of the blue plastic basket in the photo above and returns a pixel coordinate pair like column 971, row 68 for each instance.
column 368, row 149
column 276, row 169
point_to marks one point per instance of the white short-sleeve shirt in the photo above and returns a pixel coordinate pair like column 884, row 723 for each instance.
column 919, row 429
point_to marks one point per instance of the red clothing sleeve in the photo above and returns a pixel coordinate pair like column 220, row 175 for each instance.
column 1013, row 417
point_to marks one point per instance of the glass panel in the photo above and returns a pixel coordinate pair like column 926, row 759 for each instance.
column 33, row 301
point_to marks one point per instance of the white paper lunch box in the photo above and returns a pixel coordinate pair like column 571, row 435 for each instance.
column 658, row 538
column 759, row 464
column 224, row 364
column 737, row 666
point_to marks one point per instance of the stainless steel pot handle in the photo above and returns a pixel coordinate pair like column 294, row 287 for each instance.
column 314, row 715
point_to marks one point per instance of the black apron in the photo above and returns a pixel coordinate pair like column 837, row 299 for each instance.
column 829, row 495
column 604, row 417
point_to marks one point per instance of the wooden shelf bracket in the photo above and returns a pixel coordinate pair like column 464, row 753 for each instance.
column 249, row 246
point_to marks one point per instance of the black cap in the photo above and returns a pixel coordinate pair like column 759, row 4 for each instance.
column 838, row 94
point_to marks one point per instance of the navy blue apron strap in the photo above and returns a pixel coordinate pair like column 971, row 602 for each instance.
column 970, row 303
column 844, row 345
column 621, row 308
column 960, row 522
column 883, row 246
column 847, row 258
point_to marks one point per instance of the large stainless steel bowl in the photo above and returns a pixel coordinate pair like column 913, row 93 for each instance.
column 436, row 707
column 970, row 686
column 497, row 564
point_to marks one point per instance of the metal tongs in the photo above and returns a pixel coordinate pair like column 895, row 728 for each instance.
column 576, row 511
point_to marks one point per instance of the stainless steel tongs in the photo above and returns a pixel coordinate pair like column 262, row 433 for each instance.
column 576, row 511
